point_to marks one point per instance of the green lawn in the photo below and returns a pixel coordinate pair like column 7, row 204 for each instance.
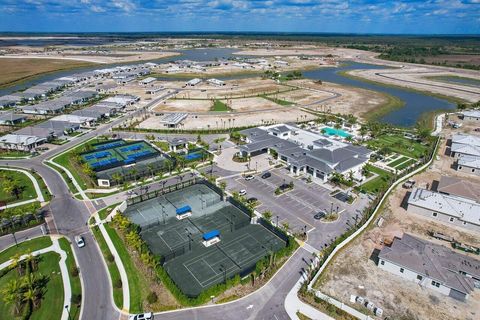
column 106, row 211
column 399, row 144
column 163, row 145
column 13, row 154
column 24, row 247
column 395, row 163
column 112, row 268
column 51, row 306
column 219, row 106
column 138, row 285
column 281, row 102
column 379, row 183
column 41, row 183
column 74, row 280
column 405, row 164
column 25, row 186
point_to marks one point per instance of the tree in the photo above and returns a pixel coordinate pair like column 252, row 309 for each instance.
column 11, row 294
column 267, row 215
column 117, row 177
column 423, row 130
column 285, row 226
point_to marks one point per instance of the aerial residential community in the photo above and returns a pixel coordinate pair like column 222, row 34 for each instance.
column 318, row 167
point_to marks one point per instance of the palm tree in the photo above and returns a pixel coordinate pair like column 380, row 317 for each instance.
column 31, row 261
column 117, row 177
column 11, row 294
column 30, row 296
column 8, row 186
column 150, row 168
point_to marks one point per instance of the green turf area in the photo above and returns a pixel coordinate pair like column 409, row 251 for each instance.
column 137, row 283
column 405, row 164
column 112, row 268
column 376, row 184
column 41, row 183
column 163, row 145
column 281, row 102
column 399, row 144
column 13, row 154
column 25, row 247
column 219, row 106
column 74, row 280
column 15, row 187
column 395, row 163
column 51, row 305
column 106, row 211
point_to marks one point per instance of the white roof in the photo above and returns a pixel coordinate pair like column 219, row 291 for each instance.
column 460, row 208
column 471, row 113
column 148, row 80
column 466, row 139
column 20, row 139
column 469, row 161
column 72, row 118
column 466, row 149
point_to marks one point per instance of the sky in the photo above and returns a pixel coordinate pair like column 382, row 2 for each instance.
column 356, row 16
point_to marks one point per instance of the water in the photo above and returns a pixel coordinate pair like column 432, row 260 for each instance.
column 416, row 104
column 335, row 132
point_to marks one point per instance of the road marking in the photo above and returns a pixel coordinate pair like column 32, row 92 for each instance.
column 250, row 307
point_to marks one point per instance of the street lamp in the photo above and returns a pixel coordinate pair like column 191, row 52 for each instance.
column 66, row 307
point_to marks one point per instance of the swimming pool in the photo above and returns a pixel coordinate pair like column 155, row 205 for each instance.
column 335, row 132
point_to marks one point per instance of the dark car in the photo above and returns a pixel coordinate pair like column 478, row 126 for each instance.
column 319, row 215
column 266, row 175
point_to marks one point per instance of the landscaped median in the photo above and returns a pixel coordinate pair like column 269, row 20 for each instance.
column 74, row 276
column 31, row 281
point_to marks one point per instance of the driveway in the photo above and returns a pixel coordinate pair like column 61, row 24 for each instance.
column 225, row 161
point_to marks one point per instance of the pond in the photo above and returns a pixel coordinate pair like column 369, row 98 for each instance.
column 415, row 103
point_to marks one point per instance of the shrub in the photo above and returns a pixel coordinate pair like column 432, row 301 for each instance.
column 74, row 271
column 152, row 297
column 110, row 257
column 76, row 298
column 117, row 284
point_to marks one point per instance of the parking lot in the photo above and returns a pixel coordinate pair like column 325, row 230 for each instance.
column 298, row 206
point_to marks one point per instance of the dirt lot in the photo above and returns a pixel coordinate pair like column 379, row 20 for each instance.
column 356, row 101
column 232, row 119
column 184, row 106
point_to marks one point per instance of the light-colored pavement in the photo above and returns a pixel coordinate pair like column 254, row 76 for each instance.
column 225, row 161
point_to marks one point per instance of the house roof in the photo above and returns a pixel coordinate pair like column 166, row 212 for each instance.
column 332, row 156
column 20, row 139
column 460, row 208
column 469, row 161
column 10, row 116
column 280, row 129
column 471, row 113
column 466, row 139
column 434, row 261
column 459, row 187
column 468, row 149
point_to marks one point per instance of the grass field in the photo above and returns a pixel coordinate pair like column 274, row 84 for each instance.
column 395, row 163
column 379, row 183
column 21, row 180
column 405, row 164
column 74, row 280
column 13, row 153
column 137, row 283
column 15, row 71
column 51, row 306
column 112, row 267
column 219, row 106
column 399, row 144
column 281, row 102
column 24, row 247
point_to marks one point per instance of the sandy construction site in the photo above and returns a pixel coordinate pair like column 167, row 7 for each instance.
column 418, row 78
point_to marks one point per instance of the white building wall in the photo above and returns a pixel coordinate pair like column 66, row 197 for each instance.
column 412, row 276
column 468, row 170
column 444, row 218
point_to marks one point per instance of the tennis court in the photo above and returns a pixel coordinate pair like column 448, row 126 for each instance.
column 117, row 153
column 191, row 265
column 237, row 253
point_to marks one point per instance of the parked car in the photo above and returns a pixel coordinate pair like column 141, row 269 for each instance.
column 409, row 184
column 266, row 175
column 242, row 192
column 142, row 316
column 80, row 241
column 249, row 177
column 319, row 215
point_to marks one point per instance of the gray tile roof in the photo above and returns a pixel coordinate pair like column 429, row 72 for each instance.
column 433, row 261
column 469, row 161
column 332, row 156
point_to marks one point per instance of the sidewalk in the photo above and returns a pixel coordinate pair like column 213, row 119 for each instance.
column 67, row 289
column 294, row 304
